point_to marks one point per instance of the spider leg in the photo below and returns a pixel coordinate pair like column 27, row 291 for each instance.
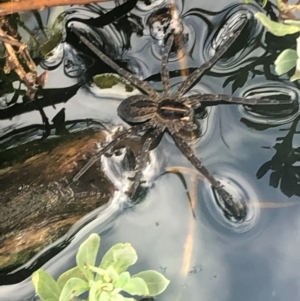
column 124, row 134
column 164, row 66
column 196, row 100
column 127, row 75
column 143, row 160
column 232, row 208
column 188, row 83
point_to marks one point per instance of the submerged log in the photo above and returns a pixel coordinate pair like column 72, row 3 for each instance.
column 36, row 206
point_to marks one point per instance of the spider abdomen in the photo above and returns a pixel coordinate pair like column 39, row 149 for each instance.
column 137, row 108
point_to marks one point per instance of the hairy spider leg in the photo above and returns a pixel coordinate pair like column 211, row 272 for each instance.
column 120, row 136
column 164, row 66
column 188, row 83
column 196, row 100
column 143, row 159
column 127, row 75
column 232, row 207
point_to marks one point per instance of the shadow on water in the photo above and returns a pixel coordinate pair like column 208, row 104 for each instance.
column 45, row 141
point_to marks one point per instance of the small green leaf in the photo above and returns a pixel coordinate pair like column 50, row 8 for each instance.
column 45, row 286
column 50, row 44
column 117, row 297
column 296, row 76
column 95, row 291
column 99, row 271
column 277, row 29
column 155, row 281
column 285, row 61
column 73, row 288
column 108, row 80
column 87, row 254
column 136, row 286
column 105, row 81
column 105, row 296
column 123, row 280
column 112, row 274
column 72, row 273
column 120, row 256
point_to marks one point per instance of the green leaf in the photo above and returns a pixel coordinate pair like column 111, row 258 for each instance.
column 292, row 22
column 112, row 274
column 73, row 288
column 285, row 61
column 50, row 44
column 105, row 81
column 95, row 291
column 45, row 286
column 120, row 257
column 117, row 297
column 105, row 296
column 296, row 75
column 123, row 280
column 87, row 254
column 99, row 271
column 108, row 80
column 72, row 273
column 277, row 29
column 136, row 286
column 155, row 281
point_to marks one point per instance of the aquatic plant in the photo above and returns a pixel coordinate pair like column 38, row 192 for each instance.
column 103, row 283
column 289, row 58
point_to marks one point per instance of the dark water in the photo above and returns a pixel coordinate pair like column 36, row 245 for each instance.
column 253, row 152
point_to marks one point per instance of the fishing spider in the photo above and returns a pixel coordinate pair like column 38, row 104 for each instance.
column 169, row 113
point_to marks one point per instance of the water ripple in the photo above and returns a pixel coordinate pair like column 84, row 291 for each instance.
column 242, row 191
column 274, row 115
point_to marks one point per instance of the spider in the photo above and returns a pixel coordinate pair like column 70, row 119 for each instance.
column 170, row 114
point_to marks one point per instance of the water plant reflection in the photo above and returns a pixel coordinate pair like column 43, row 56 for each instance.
column 284, row 165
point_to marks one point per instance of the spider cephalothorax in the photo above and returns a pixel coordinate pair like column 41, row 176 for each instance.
column 162, row 112
column 172, row 114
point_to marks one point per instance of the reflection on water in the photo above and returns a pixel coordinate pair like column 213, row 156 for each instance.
column 236, row 257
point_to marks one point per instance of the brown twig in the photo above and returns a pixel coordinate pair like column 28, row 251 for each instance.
column 23, row 5
column 15, row 48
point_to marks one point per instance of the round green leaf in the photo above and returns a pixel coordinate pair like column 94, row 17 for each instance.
column 72, row 273
column 123, row 280
column 156, row 282
column 73, row 288
column 286, row 61
column 120, row 257
column 87, row 254
column 45, row 286
column 136, row 286
column 277, row 29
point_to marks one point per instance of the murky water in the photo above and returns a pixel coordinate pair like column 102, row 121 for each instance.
column 253, row 151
